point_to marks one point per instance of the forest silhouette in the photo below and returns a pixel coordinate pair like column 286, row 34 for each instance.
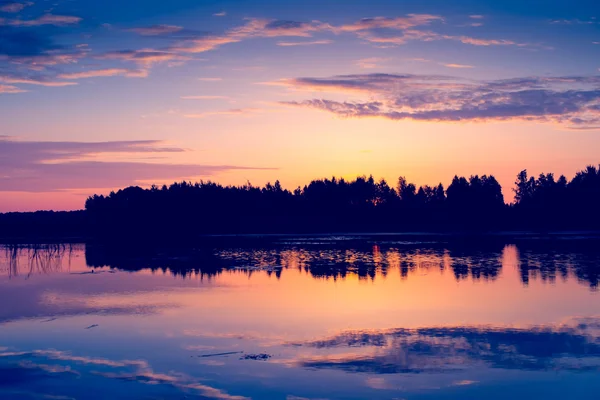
column 188, row 210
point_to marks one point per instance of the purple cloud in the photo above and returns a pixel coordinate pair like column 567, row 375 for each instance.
column 156, row 30
column 13, row 7
column 46, row 19
column 55, row 166
column 129, row 73
column 571, row 101
column 10, row 89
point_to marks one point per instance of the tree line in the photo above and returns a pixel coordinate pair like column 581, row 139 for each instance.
column 339, row 205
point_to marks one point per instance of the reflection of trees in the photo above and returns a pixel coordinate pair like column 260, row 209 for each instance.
column 182, row 262
column 369, row 261
column 29, row 259
column 334, row 258
column 559, row 259
column 573, row 348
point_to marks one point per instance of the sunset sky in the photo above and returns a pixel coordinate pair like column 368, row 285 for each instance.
column 100, row 95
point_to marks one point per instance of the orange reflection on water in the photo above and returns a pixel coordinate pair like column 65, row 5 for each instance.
column 306, row 292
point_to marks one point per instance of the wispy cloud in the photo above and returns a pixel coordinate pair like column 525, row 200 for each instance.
column 144, row 57
column 372, row 62
column 232, row 111
column 204, row 97
column 14, row 7
column 35, row 51
column 397, row 23
column 220, row 14
column 309, row 43
column 129, row 73
column 210, row 79
column 574, row 21
column 156, row 30
column 10, row 89
column 451, row 65
column 47, row 19
column 476, row 16
column 53, row 166
column 484, row 42
column 381, row 31
column 34, row 80
column 573, row 101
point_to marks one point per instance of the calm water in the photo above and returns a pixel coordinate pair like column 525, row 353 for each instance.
column 352, row 317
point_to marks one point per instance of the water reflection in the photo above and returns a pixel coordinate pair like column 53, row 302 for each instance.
column 572, row 347
column 31, row 368
column 331, row 258
column 30, row 259
column 289, row 318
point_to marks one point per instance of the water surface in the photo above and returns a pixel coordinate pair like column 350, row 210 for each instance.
column 328, row 317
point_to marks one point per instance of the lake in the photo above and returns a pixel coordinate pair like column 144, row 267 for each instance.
column 303, row 317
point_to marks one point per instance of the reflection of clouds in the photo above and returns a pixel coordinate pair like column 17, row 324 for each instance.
column 573, row 347
column 464, row 382
column 38, row 303
column 52, row 369
column 64, row 356
column 380, row 384
column 27, row 369
column 262, row 339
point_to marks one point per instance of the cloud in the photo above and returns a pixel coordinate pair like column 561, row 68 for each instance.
column 310, row 43
column 155, row 30
column 253, row 28
column 145, row 57
column 233, row 111
column 397, row 23
column 476, row 16
column 258, row 27
column 36, row 51
column 54, row 166
column 104, row 73
column 32, row 49
column 204, row 97
column 484, row 42
column 220, row 14
column 571, row 100
column 46, row 19
column 464, row 382
column 210, row 79
column 10, row 89
column 457, row 65
column 13, row 7
column 572, row 22
column 204, row 44
column 40, row 61
column 372, row 62
column 41, row 80
column 367, row 28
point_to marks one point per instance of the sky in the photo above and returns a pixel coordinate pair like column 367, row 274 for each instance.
column 97, row 96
